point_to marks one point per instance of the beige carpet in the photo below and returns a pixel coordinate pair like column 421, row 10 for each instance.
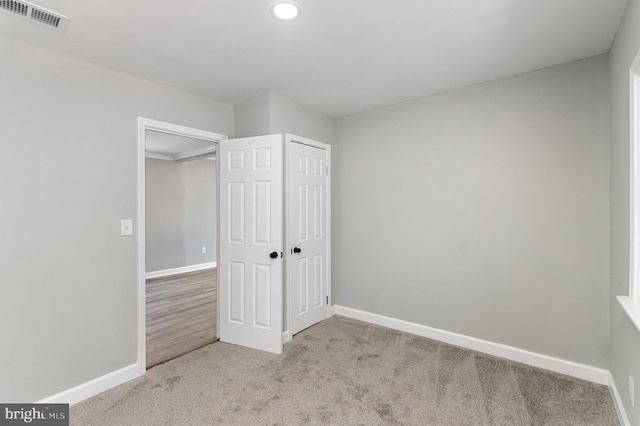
column 345, row 372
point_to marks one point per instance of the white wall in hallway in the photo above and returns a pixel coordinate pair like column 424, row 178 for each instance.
column 181, row 213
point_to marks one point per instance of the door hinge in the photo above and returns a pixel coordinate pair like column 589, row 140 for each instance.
column 327, row 300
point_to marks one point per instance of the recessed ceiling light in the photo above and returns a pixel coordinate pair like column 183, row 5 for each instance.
column 285, row 10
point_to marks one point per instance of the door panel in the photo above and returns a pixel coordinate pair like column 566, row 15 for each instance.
column 251, row 227
column 308, row 233
column 302, row 286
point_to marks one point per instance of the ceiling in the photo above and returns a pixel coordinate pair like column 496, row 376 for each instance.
column 340, row 57
column 167, row 146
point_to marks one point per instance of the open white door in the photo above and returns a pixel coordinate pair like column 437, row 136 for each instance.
column 309, row 231
column 251, row 242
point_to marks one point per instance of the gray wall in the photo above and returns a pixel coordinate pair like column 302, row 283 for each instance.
column 270, row 113
column 484, row 211
column 68, row 306
column 252, row 117
column 289, row 117
column 625, row 339
column 180, row 213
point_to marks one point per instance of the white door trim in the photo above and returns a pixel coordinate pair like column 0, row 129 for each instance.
column 289, row 139
column 145, row 124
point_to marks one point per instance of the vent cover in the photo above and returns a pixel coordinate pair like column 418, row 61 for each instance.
column 31, row 12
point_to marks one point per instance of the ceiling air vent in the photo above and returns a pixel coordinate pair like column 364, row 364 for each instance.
column 33, row 13
column 14, row 6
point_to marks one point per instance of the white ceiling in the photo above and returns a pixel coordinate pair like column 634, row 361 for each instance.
column 340, row 57
column 167, row 146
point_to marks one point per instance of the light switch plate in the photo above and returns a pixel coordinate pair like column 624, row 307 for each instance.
column 126, row 227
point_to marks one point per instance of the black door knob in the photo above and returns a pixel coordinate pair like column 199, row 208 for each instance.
column 297, row 249
column 274, row 255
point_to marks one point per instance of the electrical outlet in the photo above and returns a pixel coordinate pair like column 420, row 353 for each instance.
column 204, row 249
column 632, row 392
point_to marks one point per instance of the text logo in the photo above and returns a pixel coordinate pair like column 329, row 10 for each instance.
column 34, row 414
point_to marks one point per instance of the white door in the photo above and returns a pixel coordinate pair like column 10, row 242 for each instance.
column 308, row 234
column 251, row 242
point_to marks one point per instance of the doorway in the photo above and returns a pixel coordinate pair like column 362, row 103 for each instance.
column 180, row 230
column 177, row 240
column 252, row 247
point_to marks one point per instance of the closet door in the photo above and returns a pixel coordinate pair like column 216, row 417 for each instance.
column 308, row 230
column 251, row 242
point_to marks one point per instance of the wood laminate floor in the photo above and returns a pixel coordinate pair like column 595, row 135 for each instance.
column 181, row 314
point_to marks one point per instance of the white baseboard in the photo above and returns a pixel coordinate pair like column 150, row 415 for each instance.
column 94, row 387
column 617, row 402
column 570, row 368
column 286, row 337
column 180, row 270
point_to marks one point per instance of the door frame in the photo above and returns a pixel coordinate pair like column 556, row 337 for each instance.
column 289, row 139
column 145, row 124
